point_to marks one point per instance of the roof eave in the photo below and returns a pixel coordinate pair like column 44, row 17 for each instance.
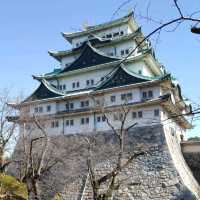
column 126, row 19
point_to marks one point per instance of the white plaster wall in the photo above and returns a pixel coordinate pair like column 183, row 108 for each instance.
column 124, row 28
column 116, row 49
column 140, row 66
column 82, row 77
column 68, row 60
column 44, row 105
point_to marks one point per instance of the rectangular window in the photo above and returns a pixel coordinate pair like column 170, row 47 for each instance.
column 122, row 52
column 123, row 96
column 67, row 123
column 77, row 84
column 67, row 106
column 140, row 114
column 113, row 98
column 127, row 51
column 156, row 112
column 103, row 118
column 73, row 85
column 150, row 94
column 92, row 82
column 86, row 103
column 57, row 124
column 88, row 82
column 64, row 87
column 48, row 108
column 52, row 124
column 116, row 34
column 87, row 120
column 60, row 87
column 98, row 119
column 82, row 104
column 109, row 35
column 144, row 95
column 71, row 105
column 71, row 122
column 129, row 96
column 134, row 115
column 36, row 109
column 40, row 109
column 82, row 121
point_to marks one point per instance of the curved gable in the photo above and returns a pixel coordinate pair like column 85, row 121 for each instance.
column 121, row 78
column 89, row 57
column 42, row 92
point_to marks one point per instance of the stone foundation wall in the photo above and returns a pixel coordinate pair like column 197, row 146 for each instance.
column 154, row 176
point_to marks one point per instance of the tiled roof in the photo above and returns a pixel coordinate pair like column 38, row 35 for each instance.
column 89, row 57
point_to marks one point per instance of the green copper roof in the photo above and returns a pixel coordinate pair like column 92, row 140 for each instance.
column 91, row 29
column 44, row 91
column 122, row 76
column 54, row 72
column 96, row 42
column 88, row 58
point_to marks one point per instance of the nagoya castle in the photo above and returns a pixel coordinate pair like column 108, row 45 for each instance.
column 108, row 70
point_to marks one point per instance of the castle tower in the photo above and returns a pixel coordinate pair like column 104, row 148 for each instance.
column 108, row 67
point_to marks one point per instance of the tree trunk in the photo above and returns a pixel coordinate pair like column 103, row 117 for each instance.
column 1, row 160
column 33, row 189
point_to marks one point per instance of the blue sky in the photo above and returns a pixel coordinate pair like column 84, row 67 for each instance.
column 30, row 28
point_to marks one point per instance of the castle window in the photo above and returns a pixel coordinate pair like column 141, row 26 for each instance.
column 140, row 114
column 71, row 105
column 90, row 82
column 126, row 97
column 67, row 123
column 113, row 98
column 40, row 109
column 82, row 120
column 85, row 120
column 109, row 35
column 118, row 116
column 134, row 115
column 121, row 32
column 54, row 124
column 127, row 51
column 156, row 112
column 116, row 34
column 103, row 118
column 36, row 109
column 67, row 106
column 122, row 52
column 150, row 93
column 73, row 85
column 49, row 108
column 144, row 95
column 64, row 87
column 98, row 119
column 84, row 104
column 71, row 122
